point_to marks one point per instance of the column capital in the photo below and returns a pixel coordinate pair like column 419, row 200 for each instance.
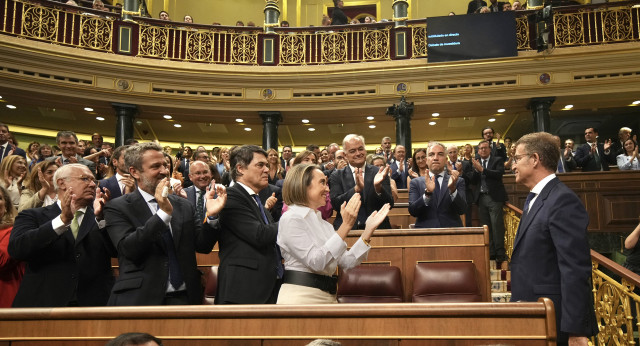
column 270, row 117
column 403, row 109
column 541, row 101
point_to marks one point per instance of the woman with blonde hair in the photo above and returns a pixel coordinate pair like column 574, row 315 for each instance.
column 223, row 161
column 311, row 248
column 276, row 172
column 11, row 271
column 13, row 170
column 39, row 190
column 309, row 158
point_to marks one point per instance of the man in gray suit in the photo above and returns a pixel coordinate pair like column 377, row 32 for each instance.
column 67, row 142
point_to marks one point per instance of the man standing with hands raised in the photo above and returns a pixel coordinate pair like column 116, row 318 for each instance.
column 157, row 235
column 371, row 182
column 439, row 201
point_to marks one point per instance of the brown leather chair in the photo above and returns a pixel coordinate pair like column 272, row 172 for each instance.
column 211, row 286
column 370, row 284
column 445, row 282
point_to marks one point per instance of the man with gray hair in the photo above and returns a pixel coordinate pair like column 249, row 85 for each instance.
column 157, row 235
column 371, row 182
column 67, row 141
column 438, row 201
column 65, row 246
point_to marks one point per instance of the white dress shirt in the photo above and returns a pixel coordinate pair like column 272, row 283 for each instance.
column 310, row 244
column 539, row 187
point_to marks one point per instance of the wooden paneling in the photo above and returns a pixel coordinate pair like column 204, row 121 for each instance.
column 612, row 199
column 255, row 325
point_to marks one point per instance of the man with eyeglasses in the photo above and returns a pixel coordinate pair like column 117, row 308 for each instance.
column 490, row 196
column 437, row 199
column 551, row 255
column 65, row 245
column 496, row 148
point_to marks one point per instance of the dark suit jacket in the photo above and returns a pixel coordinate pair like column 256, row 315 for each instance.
column 60, row 269
column 16, row 151
column 338, row 17
column 570, row 165
column 495, row 150
column 441, row 211
column 493, row 175
column 343, row 187
column 399, row 177
column 184, row 169
column 276, row 211
column 473, row 6
column 500, row 5
column 551, row 259
column 90, row 164
column 247, row 272
column 142, row 254
column 585, row 159
column 112, row 185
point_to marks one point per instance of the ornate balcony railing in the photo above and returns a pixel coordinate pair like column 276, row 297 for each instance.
column 85, row 28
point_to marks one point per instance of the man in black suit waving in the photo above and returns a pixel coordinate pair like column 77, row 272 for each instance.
column 250, row 269
column 593, row 156
column 157, row 235
column 490, row 196
column 373, row 187
column 65, row 246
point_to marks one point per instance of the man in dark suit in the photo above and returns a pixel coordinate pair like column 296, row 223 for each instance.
column 120, row 183
column 287, row 153
column 399, row 167
column 271, row 198
column 200, row 175
column 474, row 5
column 490, row 196
column 7, row 148
column 497, row 6
column 250, row 270
column 183, row 167
column 67, row 142
column 374, row 187
column 439, row 201
column 65, row 246
column 497, row 149
column 551, row 253
column 566, row 163
column 593, row 156
column 157, row 235
column 617, row 147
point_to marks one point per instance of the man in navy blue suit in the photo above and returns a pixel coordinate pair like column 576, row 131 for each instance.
column 593, row 156
column 7, row 148
column 440, row 200
column 551, row 253
column 399, row 167
column 120, row 183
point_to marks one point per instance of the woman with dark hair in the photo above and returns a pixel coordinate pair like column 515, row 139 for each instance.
column 418, row 164
column 11, row 271
column 338, row 17
column 310, row 247
column 44, row 152
column 32, row 153
column 630, row 159
column 39, row 190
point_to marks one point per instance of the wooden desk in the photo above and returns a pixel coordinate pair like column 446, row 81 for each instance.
column 270, row 325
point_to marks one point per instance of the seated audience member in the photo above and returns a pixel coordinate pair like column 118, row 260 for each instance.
column 629, row 160
column 284, row 24
column 68, row 141
column 617, row 147
column 11, row 270
column 188, row 19
column 158, row 235
column 164, row 15
column 475, row 5
column 452, row 13
column 399, row 167
column 71, row 2
column 369, row 181
column 239, row 23
column 632, row 250
column 32, row 153
column 65, row 246
column 326, row 21
column 593, row 156
column 99, row 5
column 251, row 24
column 496, row 6
column 367, row 20
column 506, row 7
column 39, row 190
column 135, row 339
column 311, row 248
column 517, row 6
column 437, row 199
column 309, row 158
column 7, row 148
column 121, row 182
column 354, row 22
column 13, row 170
column 378, row 161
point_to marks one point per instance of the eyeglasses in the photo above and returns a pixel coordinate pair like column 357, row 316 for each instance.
column 86, row 180
column 519, row 157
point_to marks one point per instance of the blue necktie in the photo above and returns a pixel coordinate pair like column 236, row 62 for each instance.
column 279, row 267
column 175, row 276
column 436, row 191
column 560, row 166
column 200, row 205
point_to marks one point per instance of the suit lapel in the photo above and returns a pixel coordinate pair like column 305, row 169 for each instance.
column 252, row 202
column 139, row 207
column 88, row 221
column 348, row 178
column 443, row 186
column 176, row 221
column 533, row 210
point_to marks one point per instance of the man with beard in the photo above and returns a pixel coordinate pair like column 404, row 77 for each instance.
column 120, row 183
column 157, row 235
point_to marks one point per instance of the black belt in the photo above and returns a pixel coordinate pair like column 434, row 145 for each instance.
column 322, row 282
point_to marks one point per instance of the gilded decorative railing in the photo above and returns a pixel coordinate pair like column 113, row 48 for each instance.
column 617, row 305
column 511, row 217
column 57, row 23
